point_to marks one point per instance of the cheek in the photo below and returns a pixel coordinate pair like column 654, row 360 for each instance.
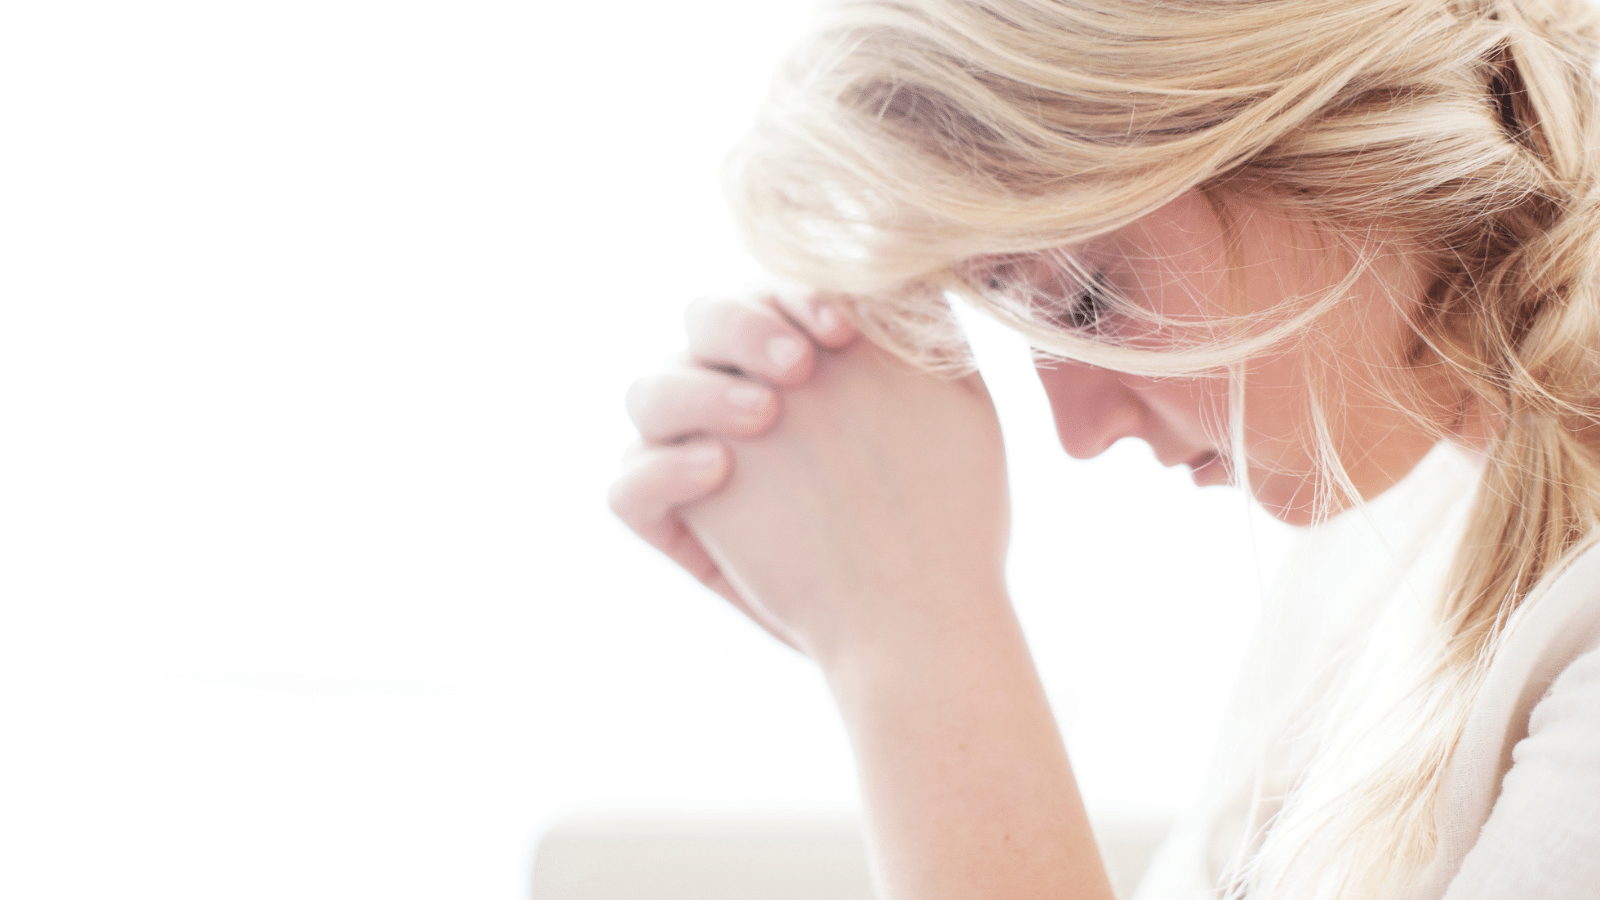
column 1280, row 438
column 1280, row 422
column 1192, row 410
column 1283, row 431
column 1176, row 261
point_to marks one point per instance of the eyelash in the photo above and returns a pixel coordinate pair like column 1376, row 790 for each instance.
column 1090, row 305
column 1084, row 310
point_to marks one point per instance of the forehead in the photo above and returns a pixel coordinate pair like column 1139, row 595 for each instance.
column 1173, row 262
column 1190, row 234
column 1037, row 270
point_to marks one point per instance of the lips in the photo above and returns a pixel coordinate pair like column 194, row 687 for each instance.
column 1207, row 469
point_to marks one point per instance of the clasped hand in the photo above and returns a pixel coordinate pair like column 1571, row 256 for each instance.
column 842, row 499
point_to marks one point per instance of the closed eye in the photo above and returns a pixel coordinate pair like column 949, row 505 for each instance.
column 1090, row 304
column 1047, row 289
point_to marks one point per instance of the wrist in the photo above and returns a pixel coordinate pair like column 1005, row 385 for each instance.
column 966, row 783
column 944, row 634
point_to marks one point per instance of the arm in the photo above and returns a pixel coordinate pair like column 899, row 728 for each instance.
column 967, row 785
column 871, row 523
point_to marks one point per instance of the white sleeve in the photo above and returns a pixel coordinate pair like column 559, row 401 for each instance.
column 1542, row 839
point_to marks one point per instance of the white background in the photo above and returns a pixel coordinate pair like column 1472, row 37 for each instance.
column 314, row 324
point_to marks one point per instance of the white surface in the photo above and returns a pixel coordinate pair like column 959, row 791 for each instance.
column 804, row 858
column 741, row 858
column 314, row 324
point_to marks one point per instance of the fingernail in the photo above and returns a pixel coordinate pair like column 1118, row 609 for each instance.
column 704, row 457
column 827, row 319
column 785, row 352
column 748, row 397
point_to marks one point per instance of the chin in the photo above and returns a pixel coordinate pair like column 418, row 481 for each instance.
column 1298, row 516
column 1293, row 501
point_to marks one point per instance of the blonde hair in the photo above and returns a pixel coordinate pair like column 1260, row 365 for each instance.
column 908, row 138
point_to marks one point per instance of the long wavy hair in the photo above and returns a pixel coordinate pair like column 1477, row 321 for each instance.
column 907, row 138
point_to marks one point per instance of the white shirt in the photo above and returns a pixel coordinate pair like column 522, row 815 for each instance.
column 1519, row 810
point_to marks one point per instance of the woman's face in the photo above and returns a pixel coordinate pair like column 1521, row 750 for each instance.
column 1175, row 262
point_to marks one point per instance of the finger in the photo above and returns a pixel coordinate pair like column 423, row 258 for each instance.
column 685, row 550
column 974, row 382
column 822, row 316
column 756, row 614
column 682, row 402
column 656, row 480
column 681, row 546
column 753, row 339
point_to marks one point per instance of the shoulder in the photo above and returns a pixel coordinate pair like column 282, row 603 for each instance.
column 1519, row 812
column 1559, row 625
column 1560, row 640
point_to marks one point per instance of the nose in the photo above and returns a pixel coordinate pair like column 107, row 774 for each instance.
column 1093, row 407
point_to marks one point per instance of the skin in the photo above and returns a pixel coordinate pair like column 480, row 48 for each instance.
column 1175, row 262
column 857, row 510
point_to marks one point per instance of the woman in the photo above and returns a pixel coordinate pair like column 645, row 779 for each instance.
column 1292, row 244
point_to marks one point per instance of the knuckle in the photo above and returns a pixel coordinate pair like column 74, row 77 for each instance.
column 793, row 303
column 619, row 499
column 632, row 497
column 642, row 395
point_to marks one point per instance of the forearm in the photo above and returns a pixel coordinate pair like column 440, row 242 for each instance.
column 968, row 789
